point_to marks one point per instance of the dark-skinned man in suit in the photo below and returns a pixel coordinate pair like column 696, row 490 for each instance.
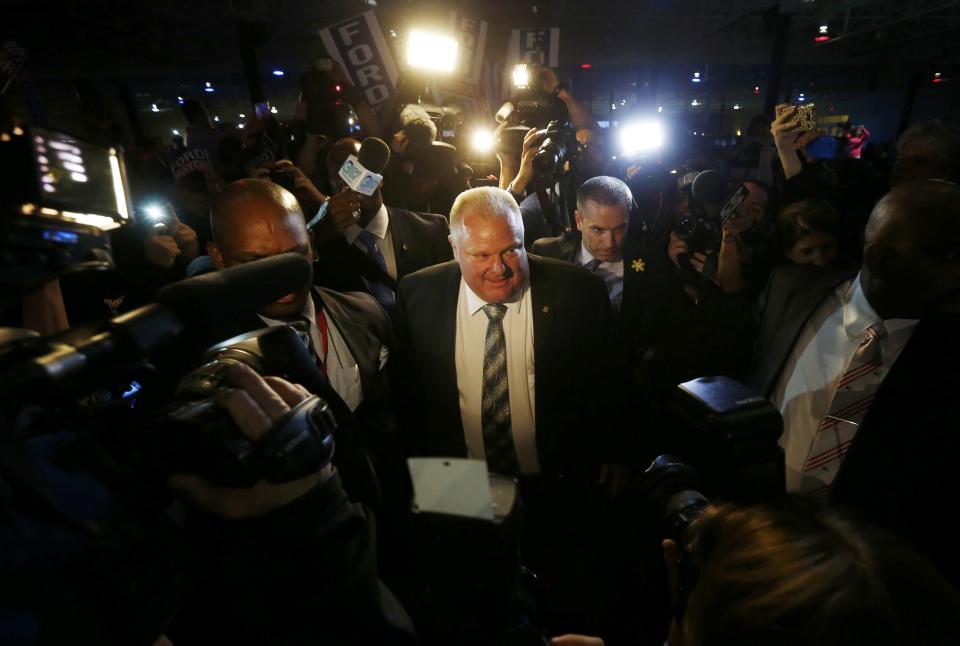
column 350, row 334
column 503, row 357
column 863, row 367
column 366, row 245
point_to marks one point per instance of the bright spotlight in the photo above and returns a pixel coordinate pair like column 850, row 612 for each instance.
column 482, row 140
column 641, row 137
column 431, row 51
column 521, row 76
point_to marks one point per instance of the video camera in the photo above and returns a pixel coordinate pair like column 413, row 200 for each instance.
column 559, row 147
column 58, row 200
column 528, row 107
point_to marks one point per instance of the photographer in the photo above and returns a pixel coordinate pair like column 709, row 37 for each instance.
column 95, row 566
column 792, row 574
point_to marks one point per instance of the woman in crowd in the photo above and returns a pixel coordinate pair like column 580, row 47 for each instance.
column 807, row 233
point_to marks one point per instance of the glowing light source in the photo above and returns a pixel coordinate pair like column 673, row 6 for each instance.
column 277, row 72
column 937, row 77
column 208, row 87
column 273, row 109
column 431, row 51
column 736, row 106
column 175, row 132
column 242, row 115
column 641, row 137
column 823, row 34
column 756, row 90
column 659, row 108
column 154, row 108
column 520, row 76
column 694, row 103
column 482, row 140
column 118, row 192
column 180, row 100
column 153, row 211
column 696, row 78
column 586, row 66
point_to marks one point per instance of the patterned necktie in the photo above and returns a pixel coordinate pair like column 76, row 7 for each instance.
column 593, row 265
column 495, row 411
column 378, row 290
column 855, row 392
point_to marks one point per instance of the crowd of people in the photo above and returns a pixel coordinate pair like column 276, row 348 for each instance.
column 450, row 317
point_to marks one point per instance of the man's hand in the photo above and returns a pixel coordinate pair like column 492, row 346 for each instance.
column 256, row 404
column 613, row 477
column 344, row 209
column 531, row 144
column 677, row 248
column 186, row 239
column 160, row 249
column 548, row 80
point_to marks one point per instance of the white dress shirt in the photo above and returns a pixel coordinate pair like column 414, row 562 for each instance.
column 819, row 359
column 342, row 369
column 518, row 337
column 379, row 226
column 612, row 274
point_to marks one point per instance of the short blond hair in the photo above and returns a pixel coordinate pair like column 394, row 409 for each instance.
column 487, row 202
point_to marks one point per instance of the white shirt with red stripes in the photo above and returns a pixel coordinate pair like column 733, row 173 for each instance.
column 819, row 359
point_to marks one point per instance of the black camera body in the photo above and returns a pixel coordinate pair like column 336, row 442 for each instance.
column 195, row 435
column 559, row 147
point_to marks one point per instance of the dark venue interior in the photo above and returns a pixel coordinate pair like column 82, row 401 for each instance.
column 363, row 322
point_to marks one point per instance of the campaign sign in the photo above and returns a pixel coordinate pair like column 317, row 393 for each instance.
column 535, row 45
column 357, row 44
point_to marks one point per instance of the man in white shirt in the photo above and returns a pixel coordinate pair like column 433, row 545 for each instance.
column 863, row 367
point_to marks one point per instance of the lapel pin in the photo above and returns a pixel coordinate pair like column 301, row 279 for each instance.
column 546, row 309
column 638, row 265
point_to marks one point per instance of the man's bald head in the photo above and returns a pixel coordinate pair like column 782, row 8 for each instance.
column 245, row 194
column 911, row 247
column 253, row 219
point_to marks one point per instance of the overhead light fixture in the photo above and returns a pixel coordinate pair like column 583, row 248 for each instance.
column 175, row 132
column 801, row 97
column 208, row 87
column 216, row 118
column 180, row 100
column 736, row 106
column 431, row 51
column 154, row 108
column 273, row 109
column 277, row 72
column 696, row 78
column 242, row 115
column 694, row 103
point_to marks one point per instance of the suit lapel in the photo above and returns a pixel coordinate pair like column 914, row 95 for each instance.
column 543, row 298
column 796, row 311
column 400, row 232
column 361, row 344
column 569, row 246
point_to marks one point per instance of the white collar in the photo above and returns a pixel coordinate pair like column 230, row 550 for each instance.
column 377, row 226
column 586, row 256
column 858, row 314
column 475, row 303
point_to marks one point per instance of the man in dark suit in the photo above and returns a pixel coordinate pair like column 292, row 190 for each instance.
column 643, row 288
column 349, row 332
column 863, row 367
column 503, row 357
column 365, row 245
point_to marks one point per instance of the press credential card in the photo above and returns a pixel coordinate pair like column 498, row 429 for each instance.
column 451, row 486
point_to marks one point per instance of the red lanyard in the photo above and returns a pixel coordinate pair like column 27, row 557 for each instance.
column 322, row 323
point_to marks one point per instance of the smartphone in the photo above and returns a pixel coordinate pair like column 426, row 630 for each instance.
column 806, row 116
column 733, row 202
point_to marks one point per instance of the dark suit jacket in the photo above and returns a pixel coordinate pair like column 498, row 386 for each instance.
column 370, row 431
column 571, row 316
column 419, row 240
column 905, row 460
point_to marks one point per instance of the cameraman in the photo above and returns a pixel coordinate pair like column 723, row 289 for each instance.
column 276, row 563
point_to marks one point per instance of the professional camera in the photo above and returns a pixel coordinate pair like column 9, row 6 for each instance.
column 528, row 107
column 558, row 148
